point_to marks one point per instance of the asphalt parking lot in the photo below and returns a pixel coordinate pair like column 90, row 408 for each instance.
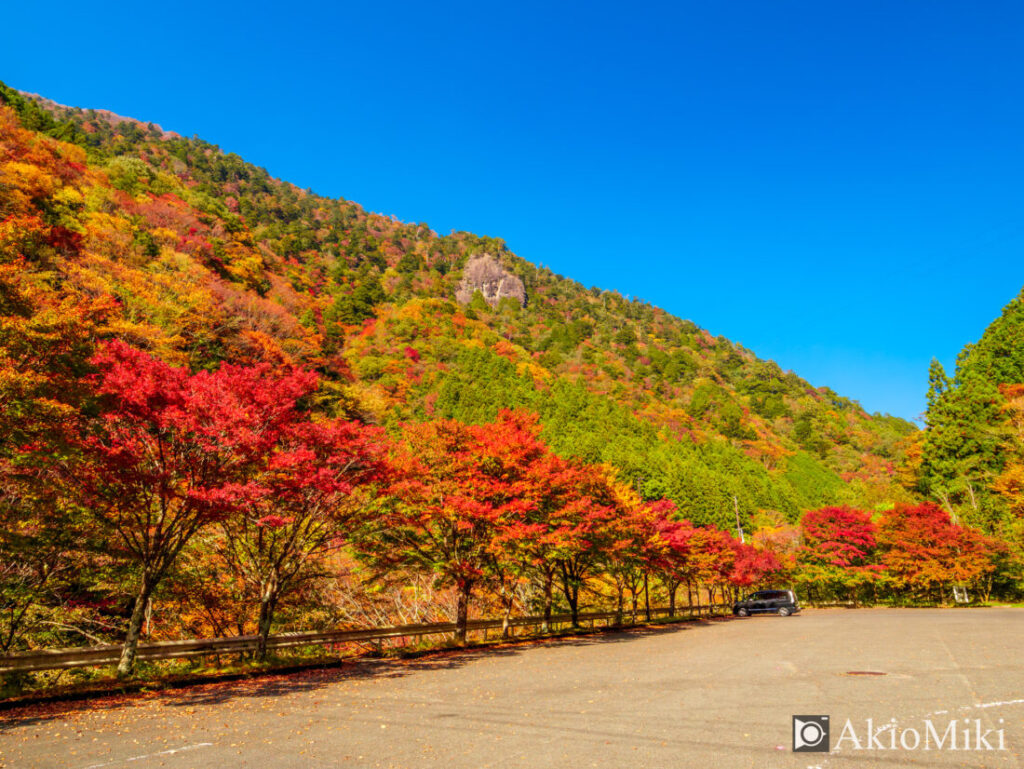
column 710, row 694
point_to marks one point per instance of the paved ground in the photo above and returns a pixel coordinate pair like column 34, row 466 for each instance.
column 713, row 695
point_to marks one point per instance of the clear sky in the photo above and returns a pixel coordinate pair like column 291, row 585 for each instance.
column 834, row 185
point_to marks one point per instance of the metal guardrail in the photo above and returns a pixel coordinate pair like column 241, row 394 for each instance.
column 54, row 659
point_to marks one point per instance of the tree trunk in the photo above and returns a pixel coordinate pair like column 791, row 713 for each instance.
column 672, row 588
column 647, row 599
column 571, row 589
column 573, row 597
column 268, row 602
column 508, row 601
column 462, row 612
column 549, row 579
column 618, row 606
column 126, row 664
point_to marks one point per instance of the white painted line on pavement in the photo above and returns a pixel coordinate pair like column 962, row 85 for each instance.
column 977, row 706
column 152, row 755
column 994, row 704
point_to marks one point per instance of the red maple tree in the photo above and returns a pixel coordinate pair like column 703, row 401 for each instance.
column 297, row 505
column 456, row 499
column 167, row 454
column 926, row 552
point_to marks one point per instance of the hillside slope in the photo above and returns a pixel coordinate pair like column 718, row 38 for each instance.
column 210, row 259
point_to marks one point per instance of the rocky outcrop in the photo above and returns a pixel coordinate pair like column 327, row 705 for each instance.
column 485, row 274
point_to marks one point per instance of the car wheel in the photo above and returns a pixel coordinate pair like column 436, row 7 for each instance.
column 742, row 612
column 783, row 612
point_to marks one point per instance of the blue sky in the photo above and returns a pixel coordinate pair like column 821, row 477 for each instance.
column 835, row 186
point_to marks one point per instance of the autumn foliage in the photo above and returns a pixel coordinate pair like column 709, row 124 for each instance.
column 229, row 406
column 170, row 468
column 926, row 552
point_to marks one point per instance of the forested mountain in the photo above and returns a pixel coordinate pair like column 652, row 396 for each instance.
column 114, row 227
column 229, row 406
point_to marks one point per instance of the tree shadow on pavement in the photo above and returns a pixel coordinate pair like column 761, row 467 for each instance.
column 270, row 684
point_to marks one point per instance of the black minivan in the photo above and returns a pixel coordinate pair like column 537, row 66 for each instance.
column 781, row 602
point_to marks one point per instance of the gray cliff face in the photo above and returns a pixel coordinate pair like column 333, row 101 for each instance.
column 484, row 274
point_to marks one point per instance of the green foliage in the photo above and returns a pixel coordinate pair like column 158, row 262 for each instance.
column 409, row 263
column 478, row 304
column 356, row 307
column 35, row 118
column 701, row 400
column 770, row 406
column 813, row 484
column 963, row 448
column 808, row 435
column 625, row 336
column 129, row 174
column 701, row 479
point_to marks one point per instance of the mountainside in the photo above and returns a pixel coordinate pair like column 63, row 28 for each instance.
column 209, row 259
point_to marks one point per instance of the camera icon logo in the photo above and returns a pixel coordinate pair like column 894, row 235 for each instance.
column 810, row 734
